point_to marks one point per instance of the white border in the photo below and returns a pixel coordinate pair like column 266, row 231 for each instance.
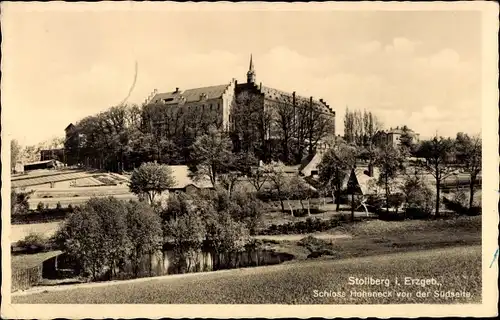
column 490, row 188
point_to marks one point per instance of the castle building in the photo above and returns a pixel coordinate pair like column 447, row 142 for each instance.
column 218, row 102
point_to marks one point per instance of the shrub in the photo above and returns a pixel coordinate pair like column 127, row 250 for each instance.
column 419, row 199
column 40, row 206
column 33, row 243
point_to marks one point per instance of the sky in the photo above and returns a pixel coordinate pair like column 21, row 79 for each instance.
column 419, row 68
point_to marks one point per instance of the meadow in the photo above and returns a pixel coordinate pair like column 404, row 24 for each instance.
column 454, row 270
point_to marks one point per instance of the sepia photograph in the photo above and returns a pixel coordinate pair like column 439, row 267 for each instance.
column 249, row 159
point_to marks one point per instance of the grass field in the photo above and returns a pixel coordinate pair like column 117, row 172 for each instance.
column 455, row 269
column 20, row 231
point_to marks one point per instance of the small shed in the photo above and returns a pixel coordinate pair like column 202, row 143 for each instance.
column 29, row 269
column 46, row 164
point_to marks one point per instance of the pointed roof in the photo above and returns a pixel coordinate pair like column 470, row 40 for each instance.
column 250, row 68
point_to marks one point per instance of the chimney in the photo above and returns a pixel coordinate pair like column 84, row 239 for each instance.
column 176, row 89
column 260, row 86
column 370, row 170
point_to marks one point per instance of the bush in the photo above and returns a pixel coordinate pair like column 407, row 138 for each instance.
column 419, row 199
column 308, row 226
column 40, row 206
column 34, row 243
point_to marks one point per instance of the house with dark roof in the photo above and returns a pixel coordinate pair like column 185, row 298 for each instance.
column 185, row 183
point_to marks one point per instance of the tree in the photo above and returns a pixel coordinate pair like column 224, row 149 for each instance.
column 335, row 167
column 211, row 155
column 19, row 202
column 186, row 233
column 15, row 153
column 258, row 178
column 239, row 165
column 151, row 179
column 80, row 237
column 299, row 189
column 111, row 215
column 144, row 230
column 439, row 162
column 275, row 173
column 469, row 155
column 417, row 195
column 246, row 208
column 390, row 162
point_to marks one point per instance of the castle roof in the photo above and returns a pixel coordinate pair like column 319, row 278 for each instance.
column 191, row 95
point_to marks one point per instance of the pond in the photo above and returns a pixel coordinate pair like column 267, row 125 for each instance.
column 169, row 262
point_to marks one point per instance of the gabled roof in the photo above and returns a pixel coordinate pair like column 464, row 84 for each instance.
column 191, row 95
column 182, row 178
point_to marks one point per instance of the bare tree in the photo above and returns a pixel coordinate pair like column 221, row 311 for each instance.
column 469, row 154
column 439, row 162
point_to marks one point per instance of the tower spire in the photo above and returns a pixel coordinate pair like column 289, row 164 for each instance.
column 251, row 71
column 251, row 63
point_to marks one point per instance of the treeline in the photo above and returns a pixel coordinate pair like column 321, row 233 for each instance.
column 123, row 137
column 284, row 130
column 110, row 236
column 438, row 157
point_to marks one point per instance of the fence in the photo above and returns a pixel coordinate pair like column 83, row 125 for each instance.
column 25, row 278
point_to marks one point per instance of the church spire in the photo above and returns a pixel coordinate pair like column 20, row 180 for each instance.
column 251, row 72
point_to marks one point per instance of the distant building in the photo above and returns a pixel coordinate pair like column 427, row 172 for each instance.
column 217, row 103
column 52, row 154
column 47, row 164
column 393, row 136
column 184, row 183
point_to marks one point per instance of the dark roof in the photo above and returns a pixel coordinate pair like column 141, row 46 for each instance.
column 26, row 261
column 191, row 95
column 212, row 92
column 69, row 126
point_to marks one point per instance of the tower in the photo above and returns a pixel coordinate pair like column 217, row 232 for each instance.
column 251, row 72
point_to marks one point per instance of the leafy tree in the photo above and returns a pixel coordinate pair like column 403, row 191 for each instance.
column 390, row 162
column 186, row 233
column 151, row 179
column 81, row 237
column 112, row 218
column 246, row 208
column 226, row 235
column 335, row 167
column 144, row 230
column 469, row 156
column 177, row 206
column 417, row 195
column 211, row 154
column 96, row 235
column 439, row 162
